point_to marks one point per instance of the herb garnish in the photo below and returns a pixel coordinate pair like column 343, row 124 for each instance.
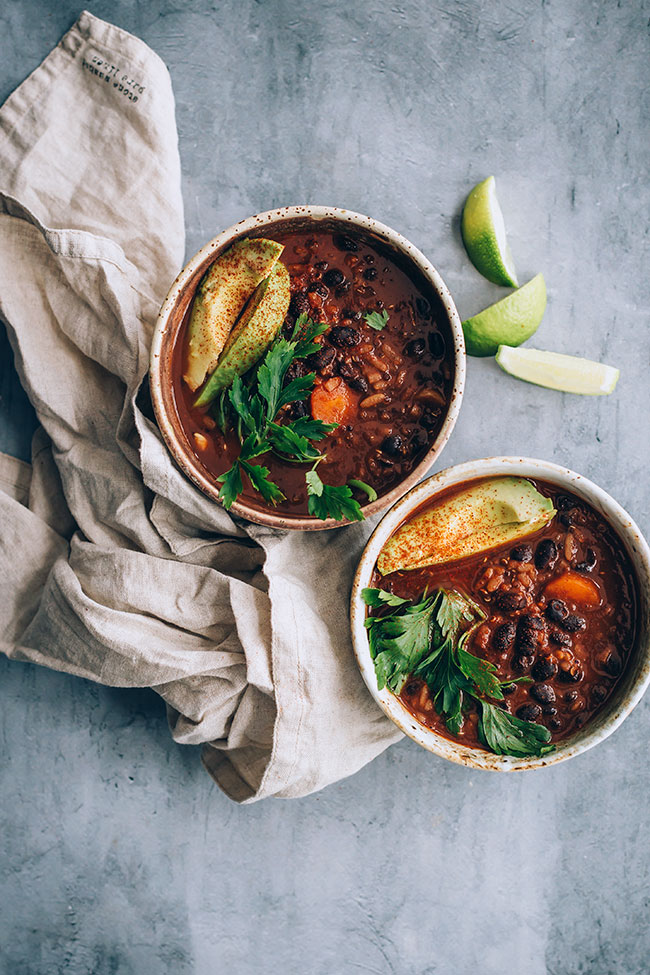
column 377, row 320
column 252, row 408
column 428, row 640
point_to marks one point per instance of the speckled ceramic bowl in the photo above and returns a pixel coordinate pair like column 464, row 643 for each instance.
column 175, row 306
column 636, row 675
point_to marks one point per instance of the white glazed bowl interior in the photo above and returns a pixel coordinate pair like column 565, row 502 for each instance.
column 636, row 676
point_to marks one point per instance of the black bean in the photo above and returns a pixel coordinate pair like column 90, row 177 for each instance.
column 345, row 243
column 509, row 688
column 530, row 622
column 543, row 693
column 429, row 420
column 321, row 265
column 359, row 384
column 598, row 694
column 436, row 345
column 563, row 639
column 418, row 443
column 564, row 503
column 299, row 304
column 555, row 724
column 544, row 668
column 613, row 664
column 370, row 273
column 527, row 629
column 416, row 348
column 351, row 313
column 423, row 307
column 318, row 288
column 524, row 662
column 557, row 611
column 509, row 601
column 573, row 675
column 344, row 336
column 333, row 277
column 522, row 553
column 589, row 563
column 529, row 712
column 549, row 709
column 574, row 623
column 565, row 518
column 570, row 696
column 342, row 289
column 503, row 637
column 297, row 369
column 321, row 359
column 546, row 554
column 299, row 409
column 392, row 445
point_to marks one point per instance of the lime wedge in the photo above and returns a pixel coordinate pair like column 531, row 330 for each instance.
column 484, row 235
column 568, row 373
column 508, row 322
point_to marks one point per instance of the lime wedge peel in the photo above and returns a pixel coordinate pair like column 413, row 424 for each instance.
column 567, row 373
column 508, row 322
column 484, row 235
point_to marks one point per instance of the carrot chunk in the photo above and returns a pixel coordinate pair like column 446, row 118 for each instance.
column 332, row 401
column 575, row 588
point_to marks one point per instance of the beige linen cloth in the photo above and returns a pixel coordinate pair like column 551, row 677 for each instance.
column 112, row 565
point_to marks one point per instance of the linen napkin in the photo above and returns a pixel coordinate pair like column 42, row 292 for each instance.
column 112, row 565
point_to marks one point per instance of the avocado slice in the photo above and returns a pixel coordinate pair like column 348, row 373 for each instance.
column 220, row 297
column 487, row 514
column 250, row 338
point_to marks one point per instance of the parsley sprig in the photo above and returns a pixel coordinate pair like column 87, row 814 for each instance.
column 428, row 640
column 252, row 408
column 376, row 319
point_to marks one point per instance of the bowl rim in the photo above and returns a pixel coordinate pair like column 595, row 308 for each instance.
column 606, row 722
column 183, row 456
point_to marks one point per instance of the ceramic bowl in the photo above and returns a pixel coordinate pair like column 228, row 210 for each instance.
column 175, row 307
column 636, row 676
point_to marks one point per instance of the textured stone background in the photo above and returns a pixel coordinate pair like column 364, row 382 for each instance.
column 122, row 856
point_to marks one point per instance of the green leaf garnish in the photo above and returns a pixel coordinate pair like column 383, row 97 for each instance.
column 326, row 501
column 379, row 597
column 427, row 640
column 231, row 485
column 254, row 403
column 377, row 320
column 362, row 486
column 506, row 734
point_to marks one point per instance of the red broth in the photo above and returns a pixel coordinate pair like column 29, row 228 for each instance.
column 574, row 653
column 398, row 381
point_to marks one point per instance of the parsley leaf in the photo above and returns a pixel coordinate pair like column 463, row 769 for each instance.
column 325, row 501
column 231, row 485
column 312, row 429
column 400, row 640
column 377, row 320
column 285, row 440
column 480, row 672
column 304, row 333
column 506, row 734
column 259, row 479
column 424, row 640
column 379, row 597
column 298, row 389
column 270, row 375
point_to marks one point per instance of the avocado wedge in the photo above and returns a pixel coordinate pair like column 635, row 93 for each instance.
column 257, row 327
column 219, row 300
column 484, row 515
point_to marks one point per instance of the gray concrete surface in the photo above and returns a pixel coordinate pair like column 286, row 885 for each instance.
column 118, row 853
